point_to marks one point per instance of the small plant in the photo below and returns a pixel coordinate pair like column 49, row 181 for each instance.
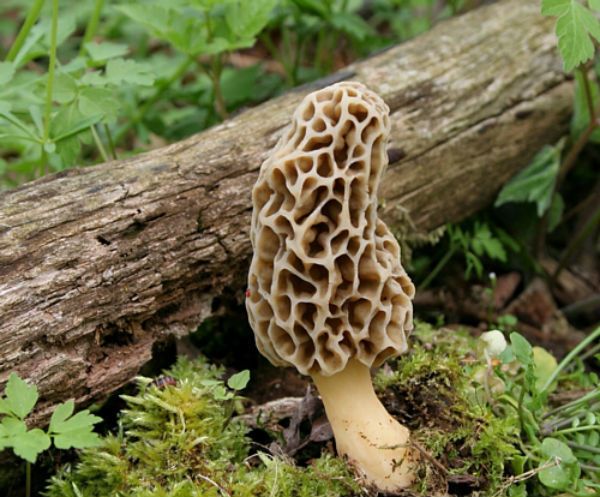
column 474, row 243
column 181, row 439
column 578, row 31
column 65, row 430
column 559, row 443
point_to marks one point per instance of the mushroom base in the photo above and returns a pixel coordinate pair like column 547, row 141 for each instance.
column 374, row 442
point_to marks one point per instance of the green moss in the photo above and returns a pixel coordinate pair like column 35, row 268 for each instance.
column 181, row 441
column 432, row 391
column 184, row 441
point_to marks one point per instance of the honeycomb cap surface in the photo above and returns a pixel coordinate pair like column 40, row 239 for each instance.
column 325, row 282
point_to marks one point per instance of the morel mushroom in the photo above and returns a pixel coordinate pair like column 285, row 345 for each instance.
column 327, row 293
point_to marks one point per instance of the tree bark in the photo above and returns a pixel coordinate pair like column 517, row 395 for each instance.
column 96, row 264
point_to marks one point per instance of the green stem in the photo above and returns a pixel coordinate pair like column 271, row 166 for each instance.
column 160, row 90
column 591, row 352
column 569, row 357
column 92, row 25
column 570, row 160
column 215, row 76
column 51, row 68
column 574, row 403
column 111, row 144
column 49, row 87
column 587, row 448
column 276, row 54
column 577, row 429
column 99, row 144
column 30, row 19
column 28, row 479
column 319, row 49
column 440, row 265
column 562, row 423
column 576, row 242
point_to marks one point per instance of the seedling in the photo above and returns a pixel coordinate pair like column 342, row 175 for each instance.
column 65, row 430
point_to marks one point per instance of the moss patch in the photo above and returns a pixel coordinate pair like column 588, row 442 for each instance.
column 181, row 441
column 465, row 446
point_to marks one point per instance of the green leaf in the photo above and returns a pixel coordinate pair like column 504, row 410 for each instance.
column 555, row 212
column 594, row 4
column 30, row 444
column 247, row 19
column 221, row 393
column 185, row 30
column 507, row 355
column 99, row 52
column 14, row 120
column 36, row 116
column 67, row 24
column 521, row 348
column 20, row 396
column 153, row 17
column 94, row 101
column 4, row 407
column 567, row 470
column 65, row 88
column 79, row 126
column 119, row 71
column 353, row 25
column 483, row 242
column 555, row 8
column 581, row 114
column 75, row 431
column 25, row 444
column 473, row 263
column 7, row 71
column 68, row 149
column 575, row 26
column 93, row 78
column 49, row 147
column 314, row 7
column 239, row 380
column 545, row 365
column 536, row 182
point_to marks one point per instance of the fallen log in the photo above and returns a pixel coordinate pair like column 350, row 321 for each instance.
column 98, row 263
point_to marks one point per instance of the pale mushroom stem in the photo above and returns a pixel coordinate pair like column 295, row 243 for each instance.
column 374, row 442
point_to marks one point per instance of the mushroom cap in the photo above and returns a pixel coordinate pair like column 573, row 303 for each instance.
column 325, row 282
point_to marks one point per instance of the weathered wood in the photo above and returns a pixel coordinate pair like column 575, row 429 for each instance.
column 96, row 264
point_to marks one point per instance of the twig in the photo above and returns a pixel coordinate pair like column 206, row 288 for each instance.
column 526, row 476
column 215, row 484
column 429, row 457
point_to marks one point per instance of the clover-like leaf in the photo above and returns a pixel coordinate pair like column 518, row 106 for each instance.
column 120, row 71
column 561, row 469
column 73, row 431
column 30, row 444
column 106, row 50
column 521, row 348
column 25, row 444
column 239, row 380
column 20, row 396
column 545, row 365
